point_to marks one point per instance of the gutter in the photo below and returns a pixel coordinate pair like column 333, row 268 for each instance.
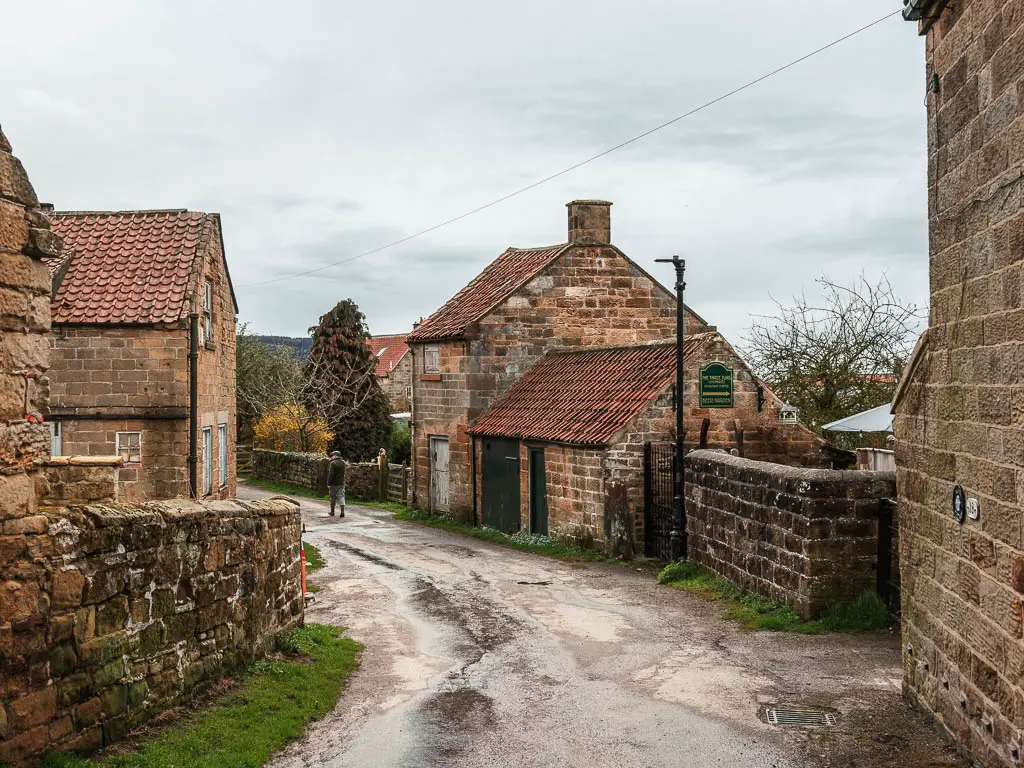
column 193, row 403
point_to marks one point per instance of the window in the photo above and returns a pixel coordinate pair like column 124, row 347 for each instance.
column 207, row 460
column 208, row 313
column 431, row 361
column 222, row 436
column 129, row 447
column 56, row 438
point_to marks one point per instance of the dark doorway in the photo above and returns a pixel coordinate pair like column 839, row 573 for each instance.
column 501, row 485
column 538, row 493
column 659, row 495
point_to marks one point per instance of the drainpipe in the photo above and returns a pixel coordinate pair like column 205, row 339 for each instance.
column 472, row 462
column 193, row 403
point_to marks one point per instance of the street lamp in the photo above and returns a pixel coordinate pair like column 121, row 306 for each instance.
column 677, row 538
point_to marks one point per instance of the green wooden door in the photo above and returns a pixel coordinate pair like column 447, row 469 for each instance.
column 501, row 484
column 538, row 493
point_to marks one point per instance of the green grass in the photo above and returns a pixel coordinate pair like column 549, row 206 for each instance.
column 314, row 560
column 526, row 542
column 244, row 729
column 866, row 614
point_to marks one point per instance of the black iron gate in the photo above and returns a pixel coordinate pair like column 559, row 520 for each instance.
column 659, row 493
column 888, row 554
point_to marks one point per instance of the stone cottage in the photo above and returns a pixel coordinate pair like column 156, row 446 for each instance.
column 960, row 407
column 143, row 349
column 394, row 369
column 530, row 302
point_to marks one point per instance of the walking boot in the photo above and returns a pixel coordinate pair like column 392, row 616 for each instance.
column 341, row 512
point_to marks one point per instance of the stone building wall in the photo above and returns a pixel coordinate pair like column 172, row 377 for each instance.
column 960, row 411
column 805, row 537
column 217, row 369
column 575, row 490
column 397, row 385
column 118, row 612
column 592, row 295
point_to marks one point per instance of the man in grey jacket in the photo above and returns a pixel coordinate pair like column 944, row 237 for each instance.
column 336, row 482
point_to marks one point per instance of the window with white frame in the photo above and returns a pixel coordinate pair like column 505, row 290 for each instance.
column 207, row 460
column 222, row 438
column 431, row 359
column 129, row 447
column 56, row 438
column 208, row 312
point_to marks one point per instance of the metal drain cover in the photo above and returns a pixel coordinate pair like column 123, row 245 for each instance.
column 800, row 716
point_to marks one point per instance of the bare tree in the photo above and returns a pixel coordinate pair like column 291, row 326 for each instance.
column 309, row 393
column 839, row 356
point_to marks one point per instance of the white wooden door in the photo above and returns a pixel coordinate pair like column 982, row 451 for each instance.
column 439, row 474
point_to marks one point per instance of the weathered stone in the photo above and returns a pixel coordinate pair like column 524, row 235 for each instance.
column 88, row 712
column 14, row 183
column 32, row 710
column 114, row 700
column 112, row 615
column 67, row 588
column 18, row 600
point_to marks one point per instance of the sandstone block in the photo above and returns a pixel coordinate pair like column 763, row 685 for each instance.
column 67, row 588
column 14, row 183
column 18, row 600
column 88, row 712
column 32, row 710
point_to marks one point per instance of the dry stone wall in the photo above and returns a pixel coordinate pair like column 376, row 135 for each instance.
column 309, row 470
column 804, row 537
column 112, row 613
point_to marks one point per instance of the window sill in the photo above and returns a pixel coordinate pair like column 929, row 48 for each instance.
column 430, row 377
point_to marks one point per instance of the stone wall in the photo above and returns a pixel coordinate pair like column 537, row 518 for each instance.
column 804, row 537
column 397, row 385
column 68, row 480
column 111, row 613
column 309, row 470
column 960, row 412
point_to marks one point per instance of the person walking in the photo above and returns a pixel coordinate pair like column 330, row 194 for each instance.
column 336, row 483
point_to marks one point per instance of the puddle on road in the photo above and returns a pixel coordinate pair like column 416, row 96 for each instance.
column 372, row 557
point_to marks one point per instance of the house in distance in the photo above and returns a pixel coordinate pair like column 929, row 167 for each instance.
column 143, row 349
column 543, row 379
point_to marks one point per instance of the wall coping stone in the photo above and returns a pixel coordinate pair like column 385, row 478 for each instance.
column 83, row 461
column 173, row 511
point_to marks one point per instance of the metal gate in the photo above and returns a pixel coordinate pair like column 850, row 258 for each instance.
column 659, row 492
column 438, row 474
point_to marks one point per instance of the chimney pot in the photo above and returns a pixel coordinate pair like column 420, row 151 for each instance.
column 590, row 222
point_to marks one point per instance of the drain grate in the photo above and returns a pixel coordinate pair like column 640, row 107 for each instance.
column 804, row 716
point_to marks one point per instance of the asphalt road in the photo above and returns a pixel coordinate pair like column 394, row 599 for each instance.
column 478, row 655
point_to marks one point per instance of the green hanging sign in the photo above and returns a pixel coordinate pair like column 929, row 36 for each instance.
column 715, row 386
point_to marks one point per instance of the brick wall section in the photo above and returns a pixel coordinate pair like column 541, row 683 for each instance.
column 804, row 537
column 960, row 417
column 137, row 370
column 72, row 480
column 575, row 491
column 397, row 385
column 122, row 611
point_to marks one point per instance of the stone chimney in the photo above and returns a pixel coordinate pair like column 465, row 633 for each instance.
column 590, row 222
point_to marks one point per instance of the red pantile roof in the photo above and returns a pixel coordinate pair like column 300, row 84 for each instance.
column 388, row 350
column 130, row 267
column 583, row 396
column 511, row 270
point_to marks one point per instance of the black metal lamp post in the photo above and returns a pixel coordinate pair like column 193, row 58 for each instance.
column 678, row 537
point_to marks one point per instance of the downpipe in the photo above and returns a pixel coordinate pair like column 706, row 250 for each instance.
column 193, row 403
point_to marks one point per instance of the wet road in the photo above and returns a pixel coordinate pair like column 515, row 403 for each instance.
column 477, row 655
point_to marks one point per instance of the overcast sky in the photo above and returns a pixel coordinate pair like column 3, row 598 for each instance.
column 320, row 129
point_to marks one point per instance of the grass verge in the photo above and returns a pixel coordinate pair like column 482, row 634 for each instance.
column 314, row 560
column 277, row 699
column 526, row 542
column 866, row 614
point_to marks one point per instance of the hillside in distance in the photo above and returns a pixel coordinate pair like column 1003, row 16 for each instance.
column 299, row 345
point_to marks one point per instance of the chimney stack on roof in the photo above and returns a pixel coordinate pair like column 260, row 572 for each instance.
column 590, row 222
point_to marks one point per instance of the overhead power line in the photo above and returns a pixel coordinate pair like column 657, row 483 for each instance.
column 581, row 163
